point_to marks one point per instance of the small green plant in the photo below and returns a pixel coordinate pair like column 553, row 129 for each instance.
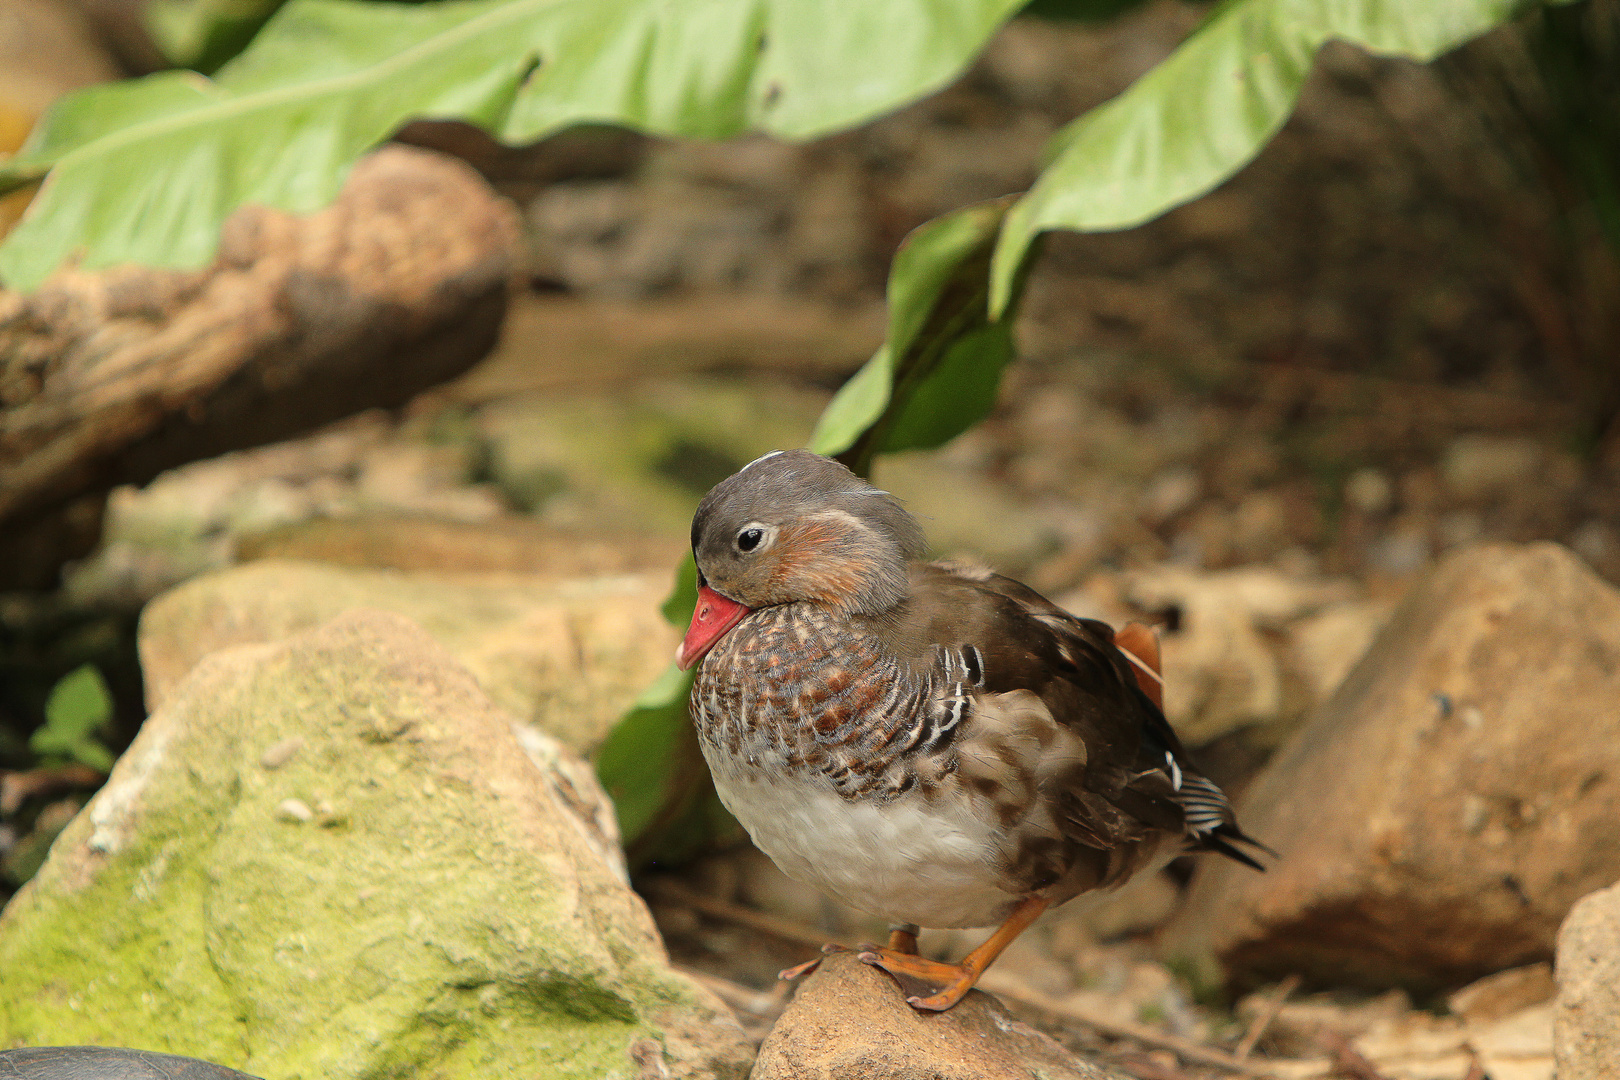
column 78, row 707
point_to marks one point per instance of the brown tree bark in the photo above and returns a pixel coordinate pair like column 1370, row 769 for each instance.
column 111, row 377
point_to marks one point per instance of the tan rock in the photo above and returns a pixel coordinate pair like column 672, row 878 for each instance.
column 332, row 857
column 505, row 545
column 566, row 655
column 850, row 1022
column 1323, row 647
column 1438, row 817
column 1518, row 1046
column 1587, row 1016
column 1220, row 670
column 1496, row 996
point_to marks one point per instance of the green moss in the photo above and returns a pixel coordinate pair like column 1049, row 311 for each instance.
column 120, row 962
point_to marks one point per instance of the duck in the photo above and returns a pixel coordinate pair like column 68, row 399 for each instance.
column 930, row 742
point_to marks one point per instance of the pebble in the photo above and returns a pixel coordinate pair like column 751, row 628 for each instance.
column 278, row 754
column 1370, row 491
column 1170, row 493
column 294, row 810
column 1475, row 466
column 1400, row 553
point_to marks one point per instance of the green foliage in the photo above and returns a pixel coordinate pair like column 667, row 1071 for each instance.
column 79, row 705
column 204, row 34
column 1207, row 109
column 327, row 80
column 939, row 368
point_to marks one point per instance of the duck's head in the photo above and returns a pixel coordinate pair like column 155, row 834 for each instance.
column 795, row 527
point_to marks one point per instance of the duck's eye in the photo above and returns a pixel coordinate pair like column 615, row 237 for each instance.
column 749, row 539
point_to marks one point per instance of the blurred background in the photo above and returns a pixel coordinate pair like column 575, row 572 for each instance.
column 1253, row 422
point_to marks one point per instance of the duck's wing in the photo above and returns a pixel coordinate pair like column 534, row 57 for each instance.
column 1135, row 777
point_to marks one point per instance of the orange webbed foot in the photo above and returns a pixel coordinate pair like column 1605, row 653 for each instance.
column 927, row 984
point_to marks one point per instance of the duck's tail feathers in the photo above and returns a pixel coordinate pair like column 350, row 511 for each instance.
column 1223, row 840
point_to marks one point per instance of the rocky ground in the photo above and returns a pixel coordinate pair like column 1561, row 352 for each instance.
column 1323, row 403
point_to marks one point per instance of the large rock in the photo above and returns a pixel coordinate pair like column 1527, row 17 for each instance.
column 332, row 857
column 1586, row 1033
column 111, row 376
column 851, row 1022
column 567, row 655
column 1439, row 815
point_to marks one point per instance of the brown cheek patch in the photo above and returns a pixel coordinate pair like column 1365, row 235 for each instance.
column 812, row 565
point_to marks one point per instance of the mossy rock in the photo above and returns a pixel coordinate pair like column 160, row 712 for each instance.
column 331, row 857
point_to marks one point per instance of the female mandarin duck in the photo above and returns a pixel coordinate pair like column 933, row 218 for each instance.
column 936, row 745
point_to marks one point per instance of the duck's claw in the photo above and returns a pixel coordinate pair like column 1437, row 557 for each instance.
column 799, row 971
column 927, row 984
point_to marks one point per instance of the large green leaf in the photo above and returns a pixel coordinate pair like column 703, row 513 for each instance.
column 204, row 34
column 326, row 80
column 1204, row 112
column 939, row 368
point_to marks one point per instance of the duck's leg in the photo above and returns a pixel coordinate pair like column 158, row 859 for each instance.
column 934, row 986
column 903, row 938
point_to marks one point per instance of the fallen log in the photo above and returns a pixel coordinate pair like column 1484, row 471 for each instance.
column 112, row 376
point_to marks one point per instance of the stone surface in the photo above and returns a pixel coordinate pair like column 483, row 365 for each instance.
column 1438, row 817
column 850, row 1022
column 437, row 908
column 1587, row 1016
column 567, row 655
column 638, row 457
column 1504, row 993
column 1404, row 1043
column 1220, row 669
column 111, row 376
column 107, row 1063
column 505, row 545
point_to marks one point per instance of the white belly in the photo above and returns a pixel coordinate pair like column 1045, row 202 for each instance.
column 907, row 861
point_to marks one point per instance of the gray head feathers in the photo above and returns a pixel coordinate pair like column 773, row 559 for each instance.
column 824, row 534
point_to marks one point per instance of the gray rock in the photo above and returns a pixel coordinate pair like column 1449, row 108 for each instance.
column 106, row 1063
column 1439, row 815
column 1586, row 1031
column 440, row 910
